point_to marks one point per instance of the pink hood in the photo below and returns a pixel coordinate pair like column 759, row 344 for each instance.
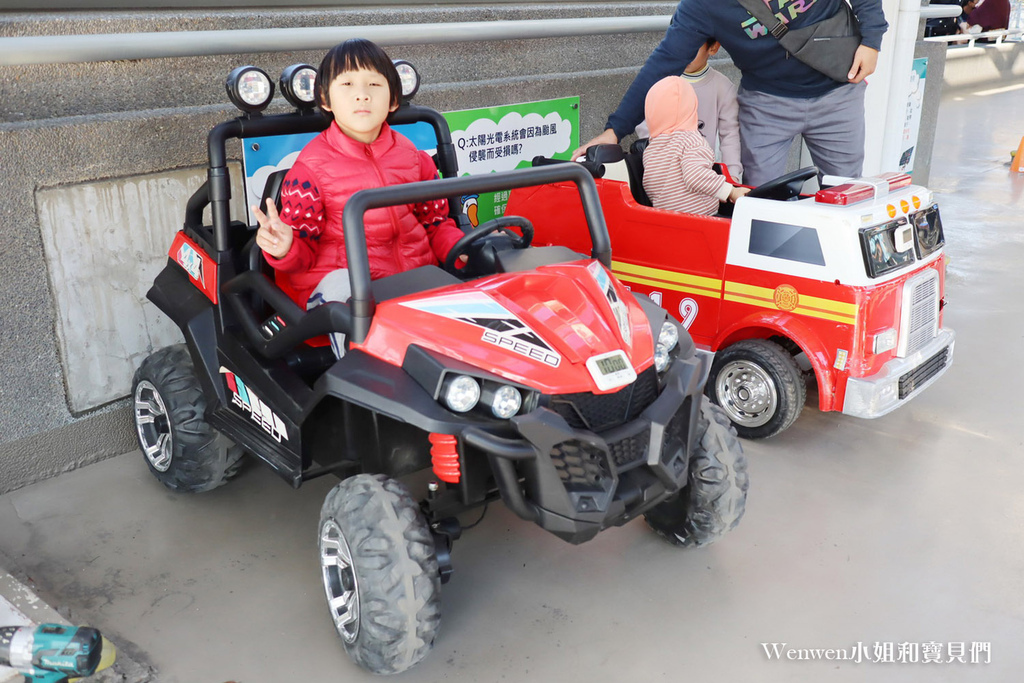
column 671, row 105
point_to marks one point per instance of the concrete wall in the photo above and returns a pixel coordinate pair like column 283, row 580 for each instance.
column 96, row 160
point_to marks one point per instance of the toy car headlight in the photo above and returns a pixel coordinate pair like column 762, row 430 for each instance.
column 661, row 359
column 668, row 338
column 298, row 85
column 462, row 393
column 885, row 340
column 409, row 76
column 506, row 402
column 250, row 89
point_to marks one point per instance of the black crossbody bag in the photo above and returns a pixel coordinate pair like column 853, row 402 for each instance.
column 827, row 46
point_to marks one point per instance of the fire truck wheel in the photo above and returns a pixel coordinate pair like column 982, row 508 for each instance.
column 379, row 570
column 759, row 386
column 182, row 450
column 715, row 496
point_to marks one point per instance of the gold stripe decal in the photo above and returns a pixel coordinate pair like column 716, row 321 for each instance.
column 785, row 297
column 782, row 298
column 667, row 279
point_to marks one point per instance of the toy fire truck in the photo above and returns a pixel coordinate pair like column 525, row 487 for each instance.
column 845, row 286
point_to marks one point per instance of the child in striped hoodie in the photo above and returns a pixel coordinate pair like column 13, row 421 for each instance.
column 677, row 162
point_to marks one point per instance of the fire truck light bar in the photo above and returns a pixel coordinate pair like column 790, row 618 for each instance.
column 852, row 193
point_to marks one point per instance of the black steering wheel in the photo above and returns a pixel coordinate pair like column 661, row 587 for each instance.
column 784, row 187
column 501, row 224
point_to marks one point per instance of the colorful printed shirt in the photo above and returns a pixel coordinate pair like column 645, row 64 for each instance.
column 764, row 63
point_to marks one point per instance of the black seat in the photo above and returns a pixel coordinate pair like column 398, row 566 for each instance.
column 635, row 168
column 272, row 190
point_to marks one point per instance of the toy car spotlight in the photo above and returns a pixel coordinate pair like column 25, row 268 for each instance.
column 250, row 89
column 298, row 85
column 410, row 78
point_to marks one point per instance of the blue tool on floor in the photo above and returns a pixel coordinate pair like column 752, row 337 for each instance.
column 52, row 653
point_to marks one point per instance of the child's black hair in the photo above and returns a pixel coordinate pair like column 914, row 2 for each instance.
column 352, row 55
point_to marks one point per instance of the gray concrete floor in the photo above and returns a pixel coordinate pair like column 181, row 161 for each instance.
column 903, row 529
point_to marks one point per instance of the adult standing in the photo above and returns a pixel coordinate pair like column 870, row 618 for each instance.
column 780, row 97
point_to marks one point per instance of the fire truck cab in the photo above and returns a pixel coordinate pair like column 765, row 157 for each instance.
column 845, row 286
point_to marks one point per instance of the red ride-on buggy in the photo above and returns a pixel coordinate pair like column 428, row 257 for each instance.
column 540, row 380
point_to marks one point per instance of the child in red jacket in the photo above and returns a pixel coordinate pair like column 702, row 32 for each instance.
column 358, row 85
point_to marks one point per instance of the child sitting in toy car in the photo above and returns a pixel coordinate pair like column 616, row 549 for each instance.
column 677, row 162
column 358, row 85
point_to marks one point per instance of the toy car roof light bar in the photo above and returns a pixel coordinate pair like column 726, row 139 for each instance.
column 863, row 189
column 410, row 78
column 250, row 89
column 298, row 85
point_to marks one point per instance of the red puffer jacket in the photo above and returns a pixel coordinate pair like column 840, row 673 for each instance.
column 329, row 170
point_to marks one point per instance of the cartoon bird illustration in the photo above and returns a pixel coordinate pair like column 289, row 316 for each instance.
column 469, row 205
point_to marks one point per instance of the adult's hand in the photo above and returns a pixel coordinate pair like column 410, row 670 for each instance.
column 274, row 236
column 606, row 138
column 864, row 62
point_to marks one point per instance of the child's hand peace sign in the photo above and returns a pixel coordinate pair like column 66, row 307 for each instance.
column 274, row 236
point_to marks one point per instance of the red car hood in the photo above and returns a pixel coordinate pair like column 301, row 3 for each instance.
column 537, row 328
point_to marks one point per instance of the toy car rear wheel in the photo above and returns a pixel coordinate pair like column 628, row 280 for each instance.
column 181, row 448
column 759, row 386
column 715, row 496
column 380, row 573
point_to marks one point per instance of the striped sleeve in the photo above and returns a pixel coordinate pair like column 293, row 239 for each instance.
column 695, row 169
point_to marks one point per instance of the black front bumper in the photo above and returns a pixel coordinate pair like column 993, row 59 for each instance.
column 574, row 482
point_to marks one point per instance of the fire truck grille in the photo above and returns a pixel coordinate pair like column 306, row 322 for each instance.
column 600, row 412
column 910, row 382
column 922, row 297
column 579, row 465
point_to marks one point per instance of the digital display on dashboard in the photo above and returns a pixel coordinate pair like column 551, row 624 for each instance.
column 611, row 364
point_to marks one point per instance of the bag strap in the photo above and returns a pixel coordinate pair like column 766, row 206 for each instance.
column 763, row 14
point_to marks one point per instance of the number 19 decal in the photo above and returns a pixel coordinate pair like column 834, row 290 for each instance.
column 688, row 310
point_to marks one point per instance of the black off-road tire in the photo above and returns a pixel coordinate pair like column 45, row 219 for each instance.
column 715, row 496
column 759, row 385
column 181, row 449
column 380, row 573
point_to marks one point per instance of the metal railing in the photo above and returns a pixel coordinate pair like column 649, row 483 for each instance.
column 991, row 37
column 112, row 47
column 154, row 45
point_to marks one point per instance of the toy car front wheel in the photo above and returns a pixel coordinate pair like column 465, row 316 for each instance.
column 715, row 496
column 759, row 386
column 182, row 450
column 380, row 573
